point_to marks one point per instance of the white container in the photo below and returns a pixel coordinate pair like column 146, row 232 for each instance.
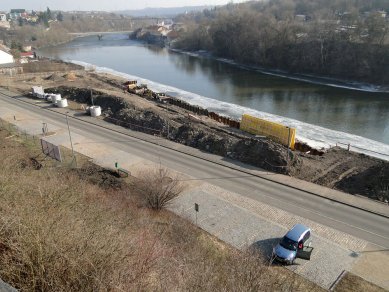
column 55, row 98
column 37, row 90
column 62, row 103
column 95, row 111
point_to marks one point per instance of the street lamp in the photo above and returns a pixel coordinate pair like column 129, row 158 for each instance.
column 91, row 95
column 70, row 137
column 287, row 154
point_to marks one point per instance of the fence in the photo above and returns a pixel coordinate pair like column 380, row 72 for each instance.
column 135, row 127
column 349, row 148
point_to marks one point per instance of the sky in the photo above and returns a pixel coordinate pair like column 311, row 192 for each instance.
column 111, row 5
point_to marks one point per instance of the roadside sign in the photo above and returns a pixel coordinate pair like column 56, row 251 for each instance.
column 197, row 210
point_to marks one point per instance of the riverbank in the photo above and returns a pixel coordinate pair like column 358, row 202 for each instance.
column 309, row 78
column 337, row 168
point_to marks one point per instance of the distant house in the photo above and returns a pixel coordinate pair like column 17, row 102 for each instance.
column 7, row 64
column 16, row 13
column 166, row 23
column 27, row 48
column 6, row 58
column 27, row 55
column 3, row 21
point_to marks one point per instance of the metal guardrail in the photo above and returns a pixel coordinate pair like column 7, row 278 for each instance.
column 360, row 148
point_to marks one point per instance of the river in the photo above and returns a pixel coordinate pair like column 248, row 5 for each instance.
column 323, row 115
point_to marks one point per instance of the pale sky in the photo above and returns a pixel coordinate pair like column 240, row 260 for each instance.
column 110, row 5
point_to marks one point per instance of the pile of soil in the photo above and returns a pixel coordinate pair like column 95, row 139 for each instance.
column 106, row 178
column 55, row 77
column 347, row 171
column 35, row 80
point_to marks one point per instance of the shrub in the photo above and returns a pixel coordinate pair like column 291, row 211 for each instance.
column 157, row 188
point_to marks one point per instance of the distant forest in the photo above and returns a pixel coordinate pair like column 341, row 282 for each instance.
column 346, row 39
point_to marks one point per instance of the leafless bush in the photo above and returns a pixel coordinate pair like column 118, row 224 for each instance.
column 158, row 188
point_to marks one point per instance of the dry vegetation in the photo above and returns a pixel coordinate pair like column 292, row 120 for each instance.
column 158, row 188
column 351, row 283
column 84, row 229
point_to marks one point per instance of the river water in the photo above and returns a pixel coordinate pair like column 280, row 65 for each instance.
column 323, row 115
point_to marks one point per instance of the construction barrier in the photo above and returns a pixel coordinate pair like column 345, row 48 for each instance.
column 276, row 132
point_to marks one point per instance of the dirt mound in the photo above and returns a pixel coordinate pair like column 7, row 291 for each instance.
column 105, row 178
column 55, row 77
column 70, row 76
column 35, row 79
column 346, row 171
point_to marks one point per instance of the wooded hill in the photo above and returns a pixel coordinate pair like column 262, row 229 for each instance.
column 347, row 39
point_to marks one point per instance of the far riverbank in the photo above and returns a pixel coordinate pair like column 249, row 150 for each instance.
column 309, row 78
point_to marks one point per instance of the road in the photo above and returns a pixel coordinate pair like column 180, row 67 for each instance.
column 365, row 225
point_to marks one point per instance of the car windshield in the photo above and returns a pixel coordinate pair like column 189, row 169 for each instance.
column 288, row 243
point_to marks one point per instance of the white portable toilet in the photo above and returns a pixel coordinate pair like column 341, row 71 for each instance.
column 95, row 111
column 62, row 103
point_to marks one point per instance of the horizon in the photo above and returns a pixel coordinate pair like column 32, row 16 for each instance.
column 111, row 6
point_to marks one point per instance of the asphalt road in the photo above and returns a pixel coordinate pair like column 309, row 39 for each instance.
column 359, row 223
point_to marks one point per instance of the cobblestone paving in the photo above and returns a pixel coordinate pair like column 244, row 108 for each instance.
column 286, row 219
column 245, row 223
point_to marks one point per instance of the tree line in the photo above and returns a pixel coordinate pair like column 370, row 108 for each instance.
column 346, row 39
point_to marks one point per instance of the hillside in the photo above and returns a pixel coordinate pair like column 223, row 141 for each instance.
column 348, row 40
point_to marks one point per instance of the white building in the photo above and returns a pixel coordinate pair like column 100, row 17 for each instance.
column 6, row 58
column 167, row 23
column 3, row 17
